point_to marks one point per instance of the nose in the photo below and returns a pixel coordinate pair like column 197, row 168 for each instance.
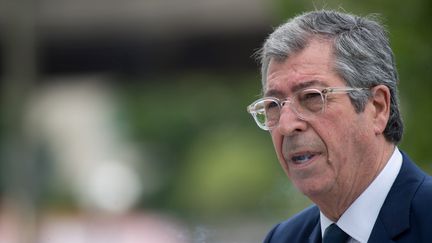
column 289, row 121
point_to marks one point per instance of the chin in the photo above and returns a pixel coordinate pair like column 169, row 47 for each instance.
column 311, row 189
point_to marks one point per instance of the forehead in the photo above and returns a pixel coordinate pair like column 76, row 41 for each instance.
column 313, row 66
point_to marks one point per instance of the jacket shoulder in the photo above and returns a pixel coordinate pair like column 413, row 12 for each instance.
column 419, row 215
column 296, row 229
column 422, row 202
column 422, row 196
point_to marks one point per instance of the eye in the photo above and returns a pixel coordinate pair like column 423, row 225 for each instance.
column 309, row 95
column 310, row 100
column 272, row 109
column 271, row 105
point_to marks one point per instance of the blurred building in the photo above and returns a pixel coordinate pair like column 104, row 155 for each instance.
column 137, row 36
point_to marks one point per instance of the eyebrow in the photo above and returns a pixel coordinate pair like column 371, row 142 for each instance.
column 300, row 86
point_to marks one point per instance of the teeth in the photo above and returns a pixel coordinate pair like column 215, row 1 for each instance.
column 299, row 159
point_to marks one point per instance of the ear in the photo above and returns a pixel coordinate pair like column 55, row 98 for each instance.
column 381, row 107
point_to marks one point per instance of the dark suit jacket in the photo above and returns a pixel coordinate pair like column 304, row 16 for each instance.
column 406, row 215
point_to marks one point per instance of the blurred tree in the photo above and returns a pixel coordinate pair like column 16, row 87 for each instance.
column 212, row 158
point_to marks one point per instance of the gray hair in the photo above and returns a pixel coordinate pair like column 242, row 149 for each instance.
column 363, row 57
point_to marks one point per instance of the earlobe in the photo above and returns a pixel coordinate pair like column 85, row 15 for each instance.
column 381, row 103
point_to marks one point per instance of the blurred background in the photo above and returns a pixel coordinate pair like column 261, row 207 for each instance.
column 125, row 121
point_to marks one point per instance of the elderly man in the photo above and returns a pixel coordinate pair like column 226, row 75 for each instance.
column 331, row 106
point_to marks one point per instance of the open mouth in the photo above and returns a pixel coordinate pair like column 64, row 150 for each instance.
column 302, row 158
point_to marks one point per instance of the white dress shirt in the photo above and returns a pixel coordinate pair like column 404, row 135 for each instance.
column 358, row 220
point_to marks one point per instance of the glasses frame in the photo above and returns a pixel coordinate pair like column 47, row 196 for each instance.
column 251, row 109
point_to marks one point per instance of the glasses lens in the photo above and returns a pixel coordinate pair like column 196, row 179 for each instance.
column 266, row 113
column 261, row 116
column 271, row 114
column 309, row 102
column 306, row 103
column 272, row 109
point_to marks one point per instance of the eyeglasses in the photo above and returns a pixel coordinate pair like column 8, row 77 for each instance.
column 306, row 104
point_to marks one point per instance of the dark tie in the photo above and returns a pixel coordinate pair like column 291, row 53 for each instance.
column 333, row 234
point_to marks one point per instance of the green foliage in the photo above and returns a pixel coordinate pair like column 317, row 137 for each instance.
column 226, row 171
column 212, row 158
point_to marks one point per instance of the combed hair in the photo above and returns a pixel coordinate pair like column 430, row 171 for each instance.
column 363, row 57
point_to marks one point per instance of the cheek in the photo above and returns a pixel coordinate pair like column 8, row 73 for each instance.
column 336, row 136
column 346, row 140
column 339, row 127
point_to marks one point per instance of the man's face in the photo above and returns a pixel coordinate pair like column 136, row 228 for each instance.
column 327, row 154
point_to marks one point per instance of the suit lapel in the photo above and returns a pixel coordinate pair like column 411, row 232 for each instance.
column 315, row 236
column 393, row 218
column 379, row 233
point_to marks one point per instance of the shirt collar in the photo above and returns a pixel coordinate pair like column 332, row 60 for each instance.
column 358, row 220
